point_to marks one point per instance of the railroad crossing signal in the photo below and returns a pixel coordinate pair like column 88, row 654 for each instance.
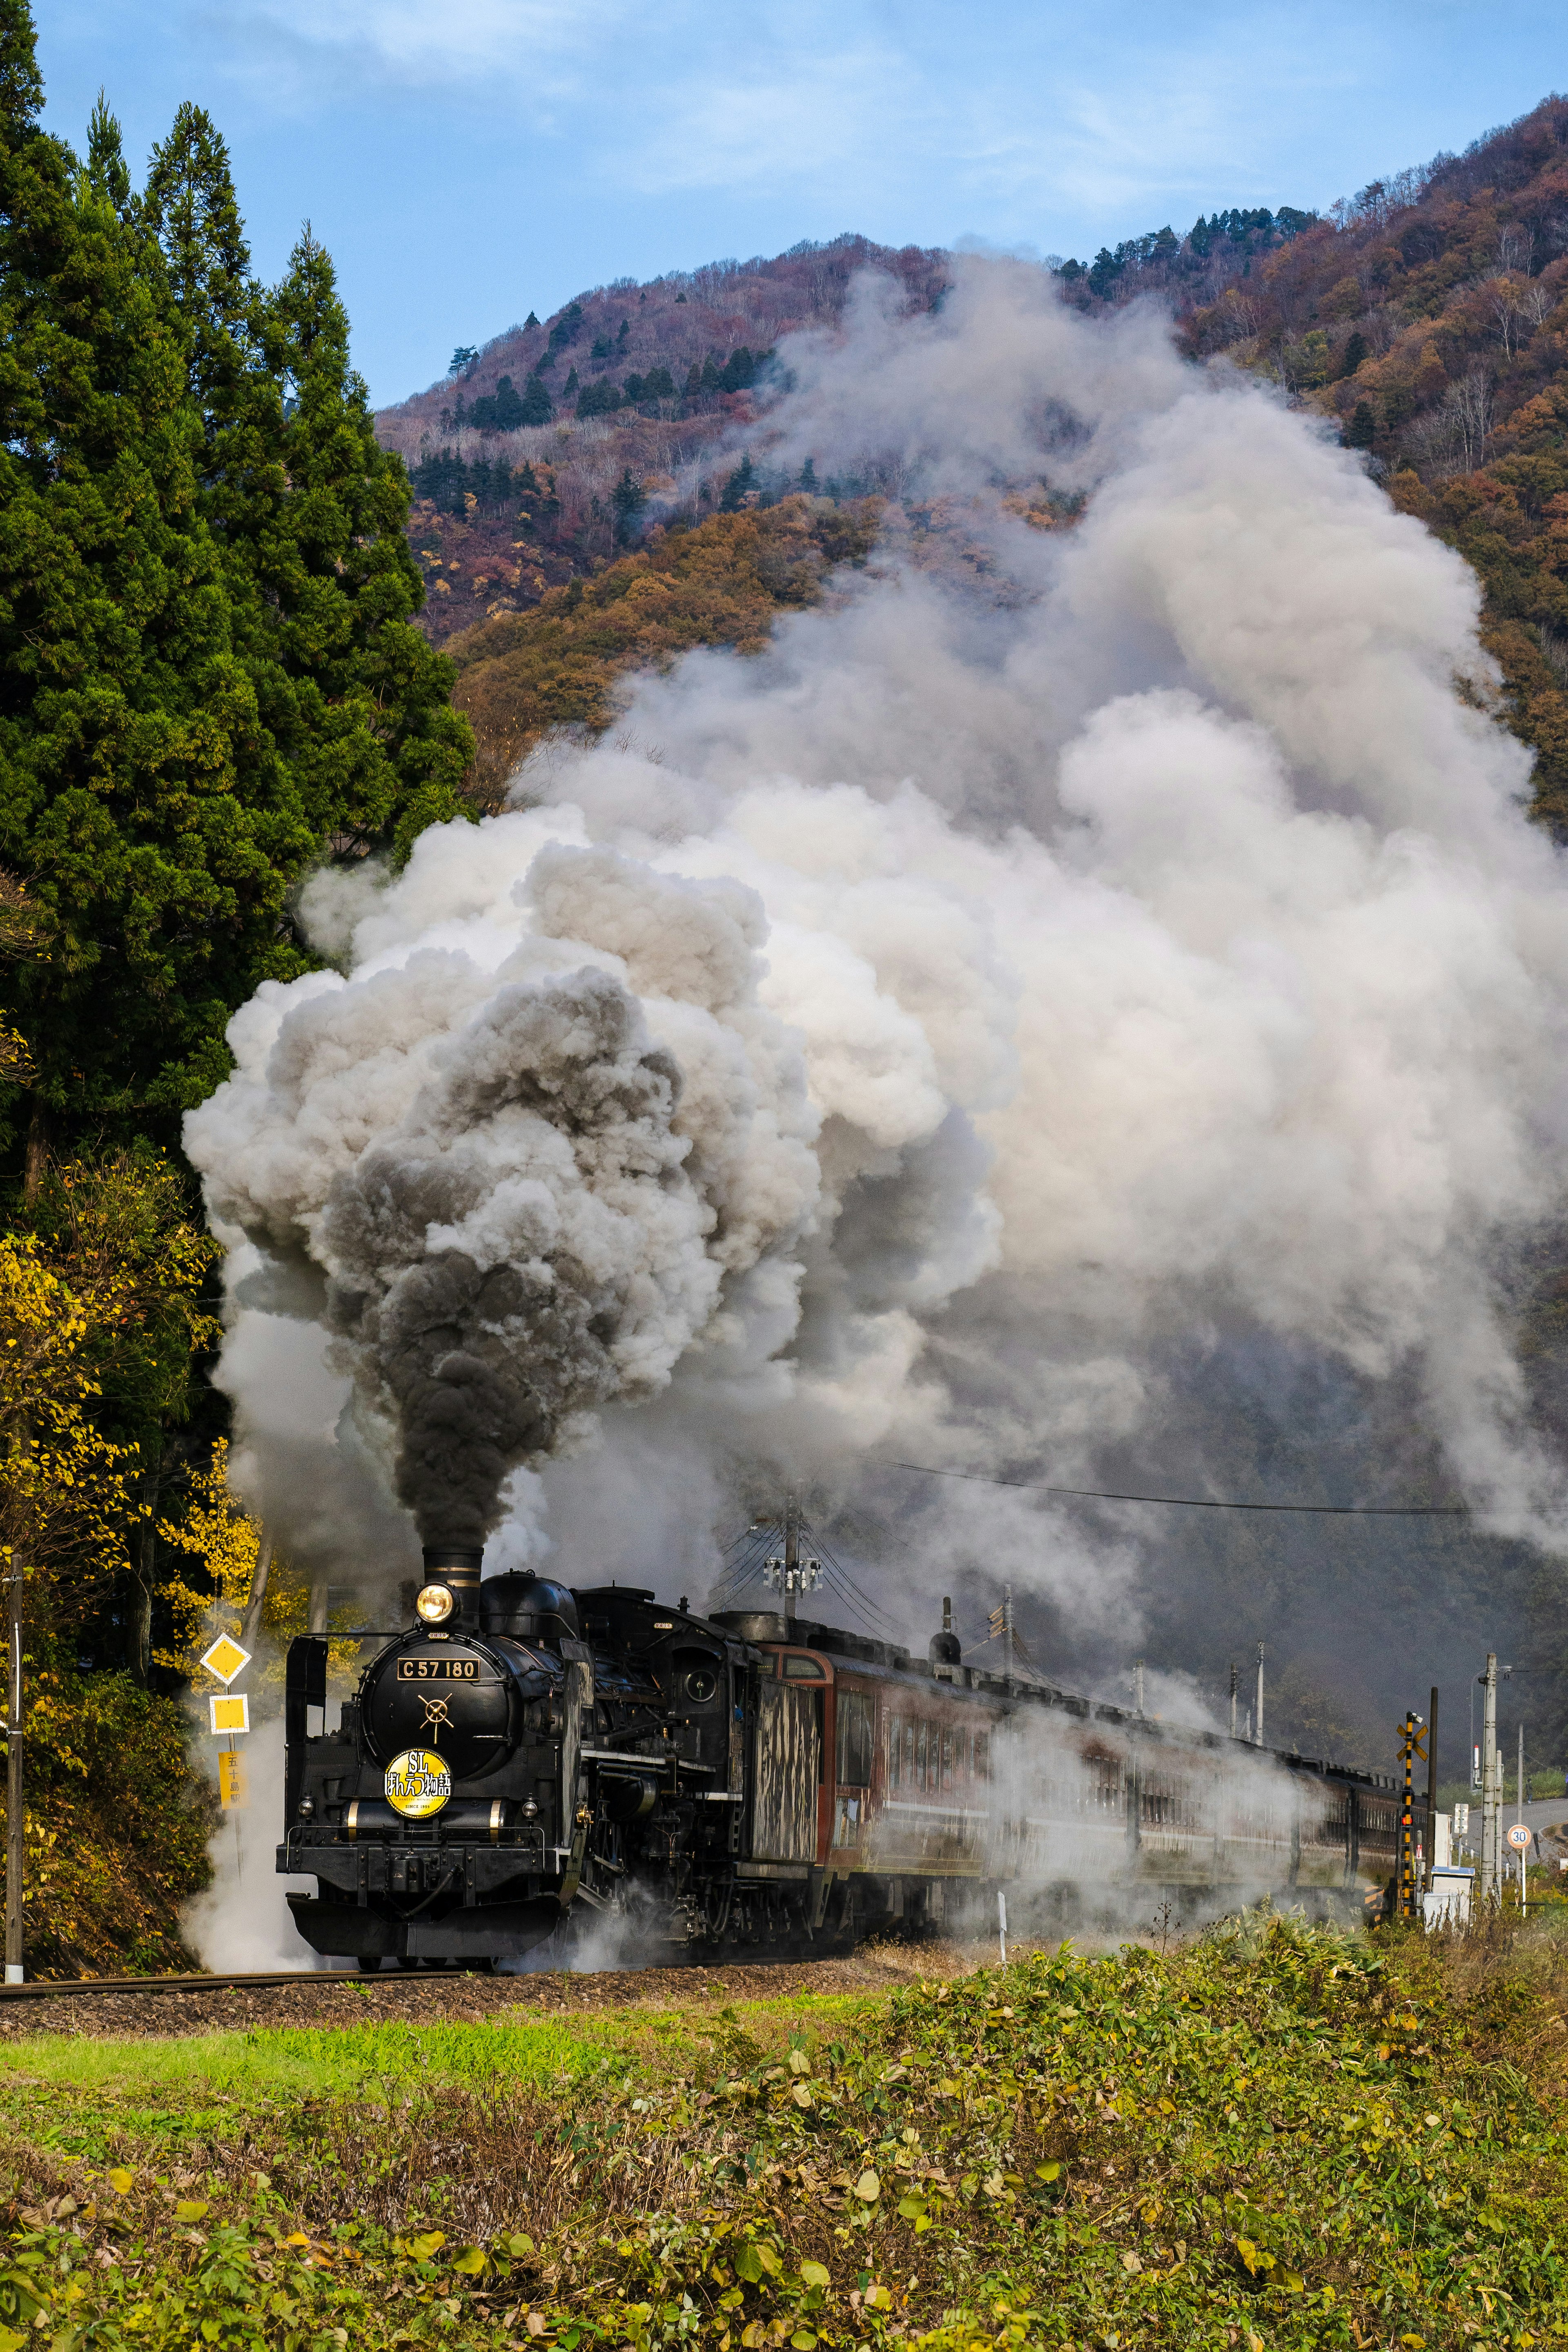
column 1411, row 1731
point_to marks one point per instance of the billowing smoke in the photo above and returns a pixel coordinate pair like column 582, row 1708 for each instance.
column 522, row 1204
column 1078, row 949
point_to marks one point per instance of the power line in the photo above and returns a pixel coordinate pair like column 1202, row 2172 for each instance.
column 1194, row 1502
column 750, row 1552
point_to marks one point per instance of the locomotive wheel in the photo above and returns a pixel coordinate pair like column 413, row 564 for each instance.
column 368, row 1963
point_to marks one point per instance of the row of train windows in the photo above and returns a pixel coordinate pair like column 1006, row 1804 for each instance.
column 927, row 1756
column 920, row 1756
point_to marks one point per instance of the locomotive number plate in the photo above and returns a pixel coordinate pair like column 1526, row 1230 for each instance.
column 440, row 1669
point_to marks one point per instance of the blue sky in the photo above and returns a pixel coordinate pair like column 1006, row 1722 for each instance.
column 468, row 160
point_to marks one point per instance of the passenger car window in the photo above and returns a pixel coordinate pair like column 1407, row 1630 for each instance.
column 855, row 1733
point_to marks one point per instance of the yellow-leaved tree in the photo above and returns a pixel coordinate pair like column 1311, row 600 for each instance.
column 121, row 1232
column 66, row 1499
column 246, row 1590
column 102, row 1310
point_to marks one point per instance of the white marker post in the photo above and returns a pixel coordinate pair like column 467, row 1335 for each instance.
column 1002, row 1923
column 1522, row 1838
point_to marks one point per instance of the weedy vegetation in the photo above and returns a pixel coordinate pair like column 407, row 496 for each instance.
column 1271, row 2137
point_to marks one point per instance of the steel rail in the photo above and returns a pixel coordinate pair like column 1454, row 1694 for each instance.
column 70, row 1987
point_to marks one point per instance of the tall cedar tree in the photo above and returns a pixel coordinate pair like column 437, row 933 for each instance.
column 309, row 513
column 209, row 676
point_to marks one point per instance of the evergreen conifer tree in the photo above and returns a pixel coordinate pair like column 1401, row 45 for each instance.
column 270, row 374
column 1362, row 430
column 742, row 482
column 628, row 499
column 377, row 748
column 131, row 764
column 208, row 671
column 536, row 406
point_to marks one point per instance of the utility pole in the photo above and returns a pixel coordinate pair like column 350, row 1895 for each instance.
column 1234, row 1678
column 1491, row 1786
column 15, row 1844
column 1138, row 1686
column 791, row 1559
column 1432, row 1786
column 1257, row 1720
column 1523, row 1850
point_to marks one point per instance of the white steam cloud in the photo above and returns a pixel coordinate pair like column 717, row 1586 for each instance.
column 1022, row 962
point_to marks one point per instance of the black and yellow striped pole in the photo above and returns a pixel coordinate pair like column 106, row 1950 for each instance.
column 1407, row 1904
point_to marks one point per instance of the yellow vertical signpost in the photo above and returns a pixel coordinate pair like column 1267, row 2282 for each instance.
column 228, row 1713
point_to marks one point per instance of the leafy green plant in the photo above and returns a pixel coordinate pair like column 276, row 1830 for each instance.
column 1273, row 2137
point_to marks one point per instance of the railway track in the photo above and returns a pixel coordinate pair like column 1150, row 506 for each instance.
column 70, row 1988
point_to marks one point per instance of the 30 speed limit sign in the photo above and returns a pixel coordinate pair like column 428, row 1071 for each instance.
column 1519, row 1837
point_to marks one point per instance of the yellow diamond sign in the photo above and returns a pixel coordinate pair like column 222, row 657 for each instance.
column 225, row 1659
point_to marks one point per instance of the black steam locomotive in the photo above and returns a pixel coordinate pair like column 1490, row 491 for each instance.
column 527, row 1756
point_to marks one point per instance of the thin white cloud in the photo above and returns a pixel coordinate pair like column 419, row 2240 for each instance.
column 841, row 113
column 540, row 49
column 1026, row 118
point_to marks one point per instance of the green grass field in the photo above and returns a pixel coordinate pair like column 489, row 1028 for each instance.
column 1270, row 2137
column 82, row 2097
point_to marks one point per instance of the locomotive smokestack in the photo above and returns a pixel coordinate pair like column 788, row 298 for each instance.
column 457, row 1565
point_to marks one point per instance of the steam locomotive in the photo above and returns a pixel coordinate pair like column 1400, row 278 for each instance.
column 525, row 1758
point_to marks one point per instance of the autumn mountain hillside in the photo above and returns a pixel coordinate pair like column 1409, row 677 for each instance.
column 1425, row 319
column 505, row 510
column 539, row 457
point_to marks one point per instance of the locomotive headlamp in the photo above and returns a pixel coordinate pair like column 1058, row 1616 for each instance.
column 434, row 1604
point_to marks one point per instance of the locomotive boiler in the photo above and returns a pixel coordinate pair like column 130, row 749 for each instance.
column 526, row 1757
